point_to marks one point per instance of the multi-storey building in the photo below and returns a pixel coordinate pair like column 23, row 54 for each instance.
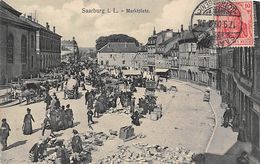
column 240, row 87
column 48, row 45
column 140, row 59
column 69, row 51
column 162, row 54
column 17, row 45
column 120, row 54
column 188, row 61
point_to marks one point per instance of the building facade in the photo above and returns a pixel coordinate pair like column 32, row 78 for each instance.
column 17, row 46
column 48, row 44
column 119, row 54
column 140, row 60
column 188, row 60
column 69, row 51
column 240, row 87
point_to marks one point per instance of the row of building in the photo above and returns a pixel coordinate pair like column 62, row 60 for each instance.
column 240, row 85
column 173, row 54
column 26, row 47
column 233, row 71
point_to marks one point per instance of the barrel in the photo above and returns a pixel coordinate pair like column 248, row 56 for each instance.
column 154, row 116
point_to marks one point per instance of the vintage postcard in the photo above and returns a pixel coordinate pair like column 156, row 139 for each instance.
column 130, row 81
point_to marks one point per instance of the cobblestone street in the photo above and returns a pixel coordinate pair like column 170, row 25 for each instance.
column 186, row 118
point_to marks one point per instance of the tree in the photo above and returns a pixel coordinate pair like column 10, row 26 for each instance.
column 103, row 40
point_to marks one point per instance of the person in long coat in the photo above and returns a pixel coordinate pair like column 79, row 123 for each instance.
column 63, row 124
column 132, row 105
column 27, row 122
column 97, row 109
column 90, row 101
column 135, row 118
column 5, row 128
column 90, row 116
column 48, row 101
column 86, row 97
column 76, row 142
column 54, row 117
column 69, row 116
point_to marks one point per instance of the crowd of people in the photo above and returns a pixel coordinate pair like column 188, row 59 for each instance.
column 108, row 91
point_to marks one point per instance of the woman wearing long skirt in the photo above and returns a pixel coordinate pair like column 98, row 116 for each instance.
column 27, row 122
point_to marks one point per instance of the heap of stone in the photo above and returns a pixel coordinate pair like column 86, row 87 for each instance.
column 119, row 111
column 144, row 153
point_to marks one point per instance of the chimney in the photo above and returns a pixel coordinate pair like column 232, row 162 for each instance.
column 182, row 28
column 47, row 26
column 54, row 29
column 29, row 17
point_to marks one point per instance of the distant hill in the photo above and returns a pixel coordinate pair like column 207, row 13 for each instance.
column 103, row 40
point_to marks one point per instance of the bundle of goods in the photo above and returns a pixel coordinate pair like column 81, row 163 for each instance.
column 90, row 142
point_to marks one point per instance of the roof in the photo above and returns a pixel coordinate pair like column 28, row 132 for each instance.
column 160, row 70
column 9, row 8
column 119, row 47
column 142, row 49
column 38, row 25
column 11, row 17
column 68, row 42
column 175, row 38
column 187, row 36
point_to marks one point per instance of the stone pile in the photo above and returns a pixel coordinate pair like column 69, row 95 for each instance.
column 119, row 111
column 144, row 153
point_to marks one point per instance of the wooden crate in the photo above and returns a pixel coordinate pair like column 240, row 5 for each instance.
column 126, row 132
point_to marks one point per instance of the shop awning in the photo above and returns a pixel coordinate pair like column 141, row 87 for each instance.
column 161, row 70
column 131, row 72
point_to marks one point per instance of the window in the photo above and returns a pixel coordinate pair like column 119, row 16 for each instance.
column 32, row 41
column 111, row 55
column 101, row 62
column 123, row 61
column 10, row 49
column 23, row 49
column 107, row 62
column 32, row 61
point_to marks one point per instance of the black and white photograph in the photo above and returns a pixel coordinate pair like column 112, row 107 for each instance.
column 130, row 81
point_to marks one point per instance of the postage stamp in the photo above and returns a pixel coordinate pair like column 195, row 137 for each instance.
column 224, row 23
column 246, row 37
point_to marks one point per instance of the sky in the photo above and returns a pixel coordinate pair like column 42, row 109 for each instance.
column 69, row 20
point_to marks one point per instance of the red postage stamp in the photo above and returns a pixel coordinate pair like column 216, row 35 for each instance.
column 234, row 24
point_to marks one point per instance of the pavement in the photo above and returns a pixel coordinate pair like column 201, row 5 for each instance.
column 224, row 147
column 186, row 118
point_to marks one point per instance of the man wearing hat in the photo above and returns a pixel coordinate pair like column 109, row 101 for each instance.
column 27, row 123
column 5, row 128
